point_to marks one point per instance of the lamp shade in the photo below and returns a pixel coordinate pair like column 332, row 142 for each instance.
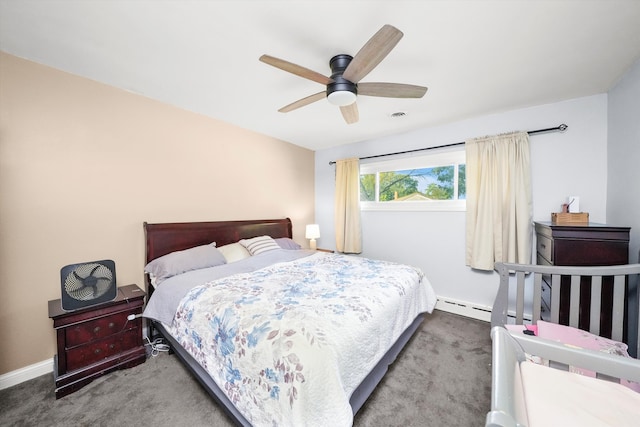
column 312, row 231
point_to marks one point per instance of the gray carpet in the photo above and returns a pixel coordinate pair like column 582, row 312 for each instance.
column 441, row 378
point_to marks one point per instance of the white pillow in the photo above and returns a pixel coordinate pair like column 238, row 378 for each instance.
column 234, row 252
column 259, row 244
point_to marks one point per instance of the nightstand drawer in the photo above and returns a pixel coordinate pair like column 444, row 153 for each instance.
column 84, row 355
column 99, row 328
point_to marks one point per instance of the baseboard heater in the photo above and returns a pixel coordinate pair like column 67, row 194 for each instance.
column 464, row 308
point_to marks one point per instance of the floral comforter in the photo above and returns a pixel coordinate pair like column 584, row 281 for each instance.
column 290, row 342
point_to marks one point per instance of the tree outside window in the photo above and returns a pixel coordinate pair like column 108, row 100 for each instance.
column 423, row 184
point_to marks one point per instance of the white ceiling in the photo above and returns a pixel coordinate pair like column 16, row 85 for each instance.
column 476, row 57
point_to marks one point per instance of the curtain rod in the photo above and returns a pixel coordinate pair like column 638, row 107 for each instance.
column 560, row 128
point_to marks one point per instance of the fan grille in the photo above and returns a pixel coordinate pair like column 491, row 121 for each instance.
column 88, row 282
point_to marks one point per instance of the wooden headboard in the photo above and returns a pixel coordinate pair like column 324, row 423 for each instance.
column 164, row 238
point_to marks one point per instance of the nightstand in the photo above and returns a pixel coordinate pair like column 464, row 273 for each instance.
column 325, row 250
column 96, row 340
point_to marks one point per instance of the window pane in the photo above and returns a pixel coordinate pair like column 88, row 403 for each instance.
column 435, row 182
column 397, row 185
column 423, row 184
column 441, row 188
column 368, row 187
column 462, row 183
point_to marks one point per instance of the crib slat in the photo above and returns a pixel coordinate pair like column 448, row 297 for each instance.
column 519, row 297
column 555, row 298
column 574, row 304
column 618, row 307
column 594, row 314
column 537, row 296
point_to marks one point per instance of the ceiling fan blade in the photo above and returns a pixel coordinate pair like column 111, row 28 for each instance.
column 350, row 113
column 304, row 101
column 391, row 90
column 295, row 69
column 372, row 53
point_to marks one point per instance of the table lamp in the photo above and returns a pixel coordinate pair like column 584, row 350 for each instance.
column 312, row 233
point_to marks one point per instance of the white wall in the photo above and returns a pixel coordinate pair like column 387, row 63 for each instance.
column 82, row 165
column 569, row 163
column 623, row 204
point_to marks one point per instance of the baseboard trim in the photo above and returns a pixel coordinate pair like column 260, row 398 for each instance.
column 464, row 308
column 32, row 371
column 25, row 374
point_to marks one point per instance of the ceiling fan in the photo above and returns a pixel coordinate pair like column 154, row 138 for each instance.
column 346, row 72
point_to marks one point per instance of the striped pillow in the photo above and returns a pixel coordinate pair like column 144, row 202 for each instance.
column 259, row 244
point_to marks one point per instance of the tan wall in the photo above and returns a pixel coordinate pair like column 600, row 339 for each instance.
column 82, row 165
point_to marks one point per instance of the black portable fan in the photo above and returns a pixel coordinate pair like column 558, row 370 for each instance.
column 87, row 284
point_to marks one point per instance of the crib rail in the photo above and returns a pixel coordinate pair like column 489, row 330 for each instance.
column 507, row 396
column 515, row 276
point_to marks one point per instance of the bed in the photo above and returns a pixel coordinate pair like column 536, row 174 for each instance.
column 545, row 373
column 283, row 335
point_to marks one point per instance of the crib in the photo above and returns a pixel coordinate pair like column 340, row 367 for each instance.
column 534, row 379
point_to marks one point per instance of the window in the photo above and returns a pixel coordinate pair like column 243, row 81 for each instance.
column 429, row 183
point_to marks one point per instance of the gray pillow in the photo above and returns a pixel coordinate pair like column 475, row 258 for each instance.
column 287, row 243
column 182, row 261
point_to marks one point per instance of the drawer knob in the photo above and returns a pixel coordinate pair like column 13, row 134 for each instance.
column 96, row 329
column 97, row 351
column 543, row 246
column 111, row 325
column 112, row 346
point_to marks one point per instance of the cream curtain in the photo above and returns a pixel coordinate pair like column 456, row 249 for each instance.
column 347, row 206
column 499, row 206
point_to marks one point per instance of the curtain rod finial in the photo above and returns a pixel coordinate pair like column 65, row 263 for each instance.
column 563, row 127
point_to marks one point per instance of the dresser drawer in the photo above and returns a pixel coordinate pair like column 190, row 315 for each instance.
column 98, row 328
column 545, row 302
column 544, row 247
column 95, row 351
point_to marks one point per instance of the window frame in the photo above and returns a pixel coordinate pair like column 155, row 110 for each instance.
column 449, row 158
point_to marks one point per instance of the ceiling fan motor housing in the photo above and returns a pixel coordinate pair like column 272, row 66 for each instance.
column 339, row 84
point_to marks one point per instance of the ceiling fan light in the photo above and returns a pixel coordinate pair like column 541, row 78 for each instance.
column 341, row 98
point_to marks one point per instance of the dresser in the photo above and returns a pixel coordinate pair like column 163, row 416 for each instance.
column 580, row 245
column 95, row 340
